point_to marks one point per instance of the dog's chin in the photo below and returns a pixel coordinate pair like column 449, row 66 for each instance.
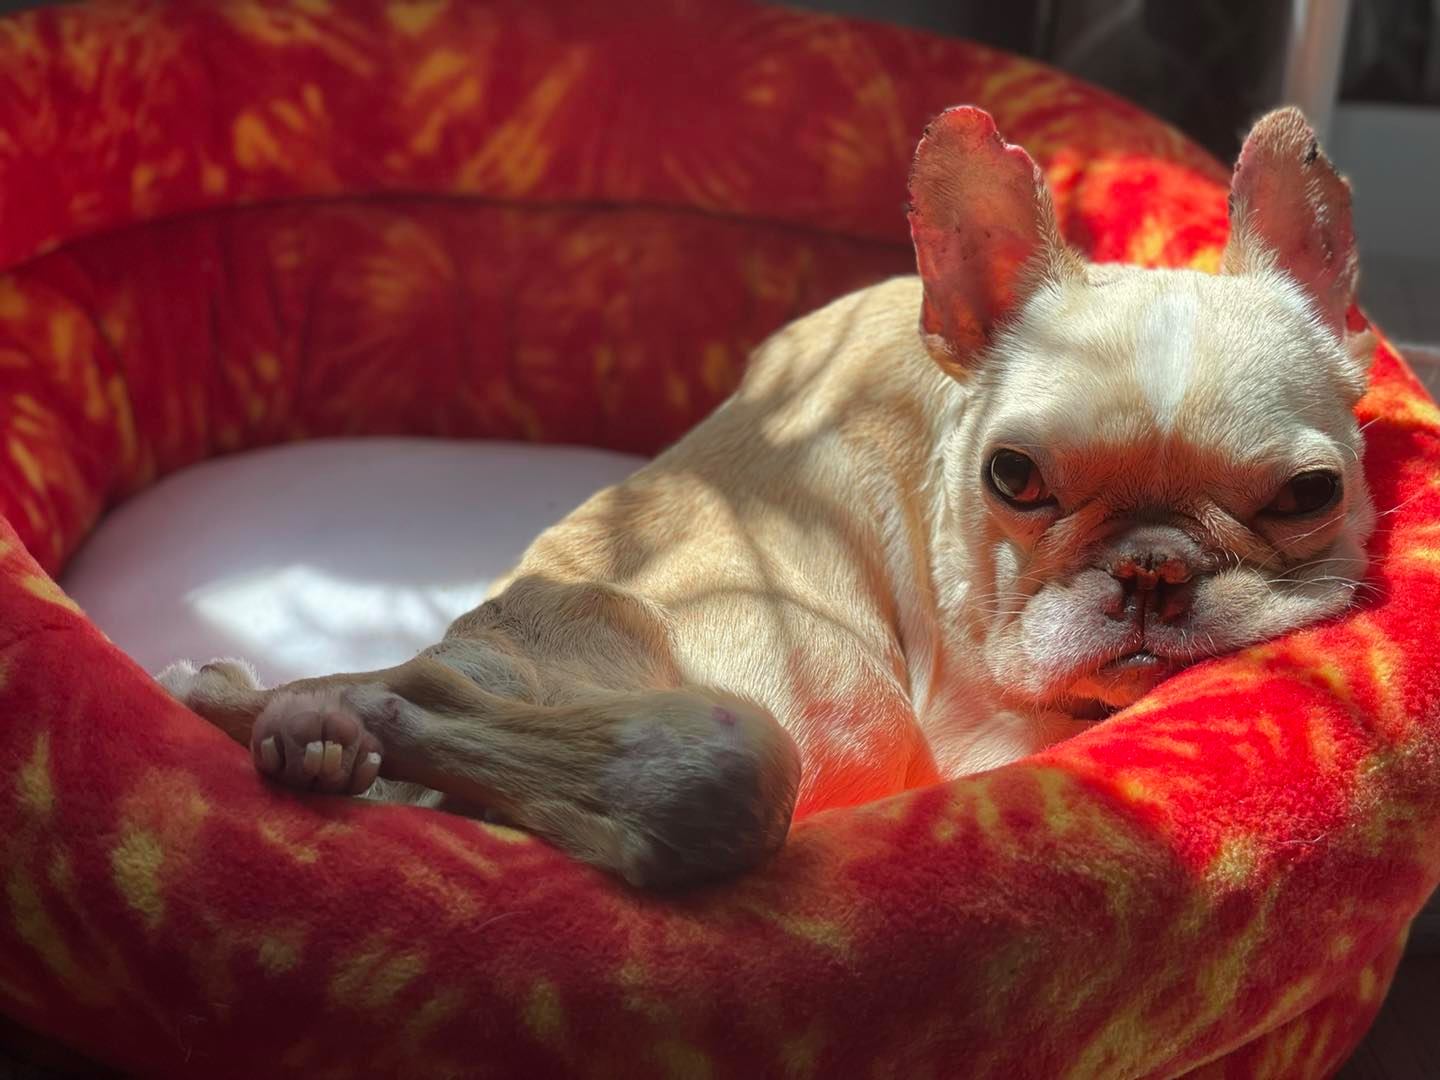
column 1115, row 684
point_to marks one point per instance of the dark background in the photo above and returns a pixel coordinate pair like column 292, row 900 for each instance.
column 1207, row 66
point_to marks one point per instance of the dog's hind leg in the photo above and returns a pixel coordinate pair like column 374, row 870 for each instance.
column 665, row 787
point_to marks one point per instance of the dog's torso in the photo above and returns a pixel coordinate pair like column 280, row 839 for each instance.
column 792, row 547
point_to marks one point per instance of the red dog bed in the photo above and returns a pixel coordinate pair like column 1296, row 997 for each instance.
column 237, row 223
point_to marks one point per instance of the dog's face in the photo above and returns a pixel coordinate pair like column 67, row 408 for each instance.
column 1149, row 467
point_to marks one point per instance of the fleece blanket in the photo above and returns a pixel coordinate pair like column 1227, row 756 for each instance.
column 234, row 223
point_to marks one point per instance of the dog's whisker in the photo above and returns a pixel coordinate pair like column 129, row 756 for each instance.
column 1399, row 506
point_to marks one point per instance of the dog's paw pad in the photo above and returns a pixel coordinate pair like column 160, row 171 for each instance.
column 314, row 741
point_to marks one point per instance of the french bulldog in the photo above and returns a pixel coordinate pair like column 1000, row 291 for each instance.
column 943, row 523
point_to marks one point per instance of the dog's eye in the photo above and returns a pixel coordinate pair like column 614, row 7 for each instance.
column 1017, row 480
column 1306, row 493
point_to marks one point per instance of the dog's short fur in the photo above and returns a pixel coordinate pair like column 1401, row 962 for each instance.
column 899, row 556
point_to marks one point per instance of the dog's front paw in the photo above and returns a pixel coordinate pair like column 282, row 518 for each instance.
column 177, row 678
column 214, row 681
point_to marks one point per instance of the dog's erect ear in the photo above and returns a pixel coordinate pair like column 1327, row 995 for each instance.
column 1290, row 209
column 984, row 230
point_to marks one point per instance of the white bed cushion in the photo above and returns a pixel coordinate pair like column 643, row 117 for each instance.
column 327, row 556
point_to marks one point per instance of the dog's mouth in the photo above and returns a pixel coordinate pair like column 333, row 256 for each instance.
column 1117, row 683
column 1090, row 710
column 1140, row 664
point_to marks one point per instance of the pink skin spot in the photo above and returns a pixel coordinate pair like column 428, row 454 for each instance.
column 723, row 716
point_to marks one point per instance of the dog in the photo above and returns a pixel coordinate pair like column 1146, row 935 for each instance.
column 943, row 523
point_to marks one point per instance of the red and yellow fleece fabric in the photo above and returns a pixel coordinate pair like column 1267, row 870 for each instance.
column 235, row 223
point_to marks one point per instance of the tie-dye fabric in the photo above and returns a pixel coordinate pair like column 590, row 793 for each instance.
column 236, row 223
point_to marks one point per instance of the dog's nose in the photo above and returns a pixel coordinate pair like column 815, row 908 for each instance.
column 1154, row 566
column 1151, row 569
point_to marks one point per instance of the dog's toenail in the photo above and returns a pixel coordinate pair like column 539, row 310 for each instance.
column 366, row 773
column 333, row 753
column 314, row 756
column 270, row 755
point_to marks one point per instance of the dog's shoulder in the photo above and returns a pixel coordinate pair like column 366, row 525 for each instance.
column 848, row 346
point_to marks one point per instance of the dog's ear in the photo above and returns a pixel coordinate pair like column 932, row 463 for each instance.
column 1290, row 209
column 984, row 230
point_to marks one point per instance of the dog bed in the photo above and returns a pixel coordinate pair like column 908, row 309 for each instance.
column 287, row 557
column 235, row 224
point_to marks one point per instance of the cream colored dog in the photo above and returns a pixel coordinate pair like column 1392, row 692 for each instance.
column 899, row 556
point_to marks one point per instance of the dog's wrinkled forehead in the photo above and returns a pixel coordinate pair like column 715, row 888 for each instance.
column 1233, row 366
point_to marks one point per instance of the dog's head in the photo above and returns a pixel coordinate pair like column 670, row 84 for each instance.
column 1148, row 466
